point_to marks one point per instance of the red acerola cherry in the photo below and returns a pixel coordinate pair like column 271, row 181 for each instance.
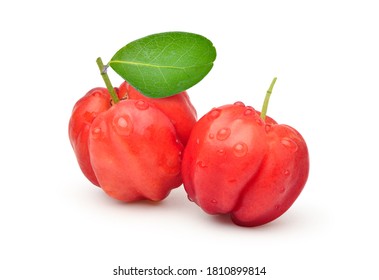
column 241, row 164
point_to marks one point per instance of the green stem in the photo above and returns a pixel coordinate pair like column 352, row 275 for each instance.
column 267, row 99
column 104, row 75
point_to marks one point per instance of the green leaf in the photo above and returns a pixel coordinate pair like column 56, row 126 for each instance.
column 165, row 64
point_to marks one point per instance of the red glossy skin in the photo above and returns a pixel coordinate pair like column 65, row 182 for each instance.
column 235, row 163
column 131, row 149
column 178, row 108
column 94, row 103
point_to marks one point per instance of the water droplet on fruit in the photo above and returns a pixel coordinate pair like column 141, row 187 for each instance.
column 223, row 134
column 268, row 128
column 171, row 163
column 277, row 207
column 282, row 190
column 96, row 132
column 287, row 172
column 197, row 141
column 141, row 105
column 214, row 113
column 239, row 103
column 240, row 149
column 221, row 152
column 259, row 121
column 289, row 144
column 121, row 122
column 97, row 93
column 201, row 164
column 211, row 136
column 248, row 112
column 214, row 201
column 123, row 125
column 232, row 181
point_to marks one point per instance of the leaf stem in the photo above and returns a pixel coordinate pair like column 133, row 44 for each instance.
column 104, row 75
column 267, row 99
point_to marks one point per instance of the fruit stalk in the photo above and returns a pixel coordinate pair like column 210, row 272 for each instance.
column 104, row 75
column 267, row 99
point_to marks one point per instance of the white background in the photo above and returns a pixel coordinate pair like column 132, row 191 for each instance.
column 56, row 225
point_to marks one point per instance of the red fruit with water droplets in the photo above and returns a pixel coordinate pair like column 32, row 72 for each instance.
column 239, row 163
column 131, row 149
column 178, row 108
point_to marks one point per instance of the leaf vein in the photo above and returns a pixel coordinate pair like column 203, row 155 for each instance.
column 158, row 66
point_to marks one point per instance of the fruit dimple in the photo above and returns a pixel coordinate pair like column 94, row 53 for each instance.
column 123, row 125
column 289, row 144
column 223, row 134
column 240, row 149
